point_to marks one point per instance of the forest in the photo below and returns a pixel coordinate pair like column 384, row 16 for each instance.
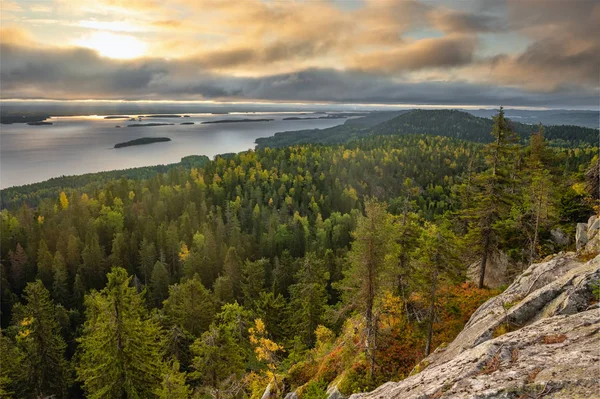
column 290, row 267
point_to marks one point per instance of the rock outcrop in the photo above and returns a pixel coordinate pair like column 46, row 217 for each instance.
column 496, row 267
column 539, row 338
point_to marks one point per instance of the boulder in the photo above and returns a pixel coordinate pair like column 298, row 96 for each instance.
column 559, row 237
column 593, row 226
column 291, row 395
column 334, row 393
column 496, row 270
column 581, row 237
column 539, row 338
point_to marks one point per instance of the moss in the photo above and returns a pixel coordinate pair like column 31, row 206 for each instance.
column 419, row 367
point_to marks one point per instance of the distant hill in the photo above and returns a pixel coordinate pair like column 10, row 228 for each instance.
column 547, row 117
column 352, row 128
column 449, row 123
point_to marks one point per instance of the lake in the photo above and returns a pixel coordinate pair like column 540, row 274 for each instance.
column 84, row 144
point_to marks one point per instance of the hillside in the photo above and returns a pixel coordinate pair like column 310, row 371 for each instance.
column 32, row 194
column 539, row 338
column 450, row 123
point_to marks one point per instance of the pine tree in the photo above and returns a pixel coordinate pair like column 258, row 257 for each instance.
column 120, row 349
column 362, row 284
column 159, row 284
column 44, row 365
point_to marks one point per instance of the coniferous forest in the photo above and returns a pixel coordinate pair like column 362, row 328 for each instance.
column 288, row 267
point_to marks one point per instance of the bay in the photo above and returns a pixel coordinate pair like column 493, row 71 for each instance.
column 84, row 144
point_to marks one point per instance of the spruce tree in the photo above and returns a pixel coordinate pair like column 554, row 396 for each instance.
column 218, row 364
column 494, row 191
column 173, row 384
column 309, row 297
column 159, row 284
column 362, row 283
column 44, row 263
column 60, row 286
column 438, row 260
column 190, row 306
column 119, row 351
column 44, row 366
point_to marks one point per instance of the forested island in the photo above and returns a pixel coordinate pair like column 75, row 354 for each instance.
column 116, row 117
column 186, row 123
column 291, row 268
column 163, row 116
column 142, row 141
column 238, row 120
column 39, row 123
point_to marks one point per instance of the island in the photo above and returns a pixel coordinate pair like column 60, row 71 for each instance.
column 116, row 117
column 186, row 116
column 39, row 123
column 149, row 124
column 118, row 126
column 142, row 141
column 238, row 120
column 186, row 123
column 163, row 116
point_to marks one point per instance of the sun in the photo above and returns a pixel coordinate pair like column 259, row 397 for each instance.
column 114, row 45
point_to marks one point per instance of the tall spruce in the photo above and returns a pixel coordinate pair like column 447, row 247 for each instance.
column 438, row 259
column 309, row 297
column 362, row 284
column 120, row 347
column 45, row 368
column 493, row 191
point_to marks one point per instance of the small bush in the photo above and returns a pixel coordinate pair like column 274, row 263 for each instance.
column 314, row 390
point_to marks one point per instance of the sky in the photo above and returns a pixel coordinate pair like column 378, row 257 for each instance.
column 529, row 53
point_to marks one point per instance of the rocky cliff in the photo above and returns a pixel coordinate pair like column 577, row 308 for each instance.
column 539, row 338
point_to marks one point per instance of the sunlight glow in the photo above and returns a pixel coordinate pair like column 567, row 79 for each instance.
column 114, row 45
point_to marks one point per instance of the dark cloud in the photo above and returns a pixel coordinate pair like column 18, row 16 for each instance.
column 426, row 53
column 452, row 21
column 77, row 74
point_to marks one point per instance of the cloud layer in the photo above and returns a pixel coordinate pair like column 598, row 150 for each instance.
column 536, row 53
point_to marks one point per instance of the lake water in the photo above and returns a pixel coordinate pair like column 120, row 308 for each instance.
column 84, row 144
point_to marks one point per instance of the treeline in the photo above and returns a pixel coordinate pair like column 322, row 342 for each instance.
column 33, row 194
column 286, row 267
column 449, row 123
